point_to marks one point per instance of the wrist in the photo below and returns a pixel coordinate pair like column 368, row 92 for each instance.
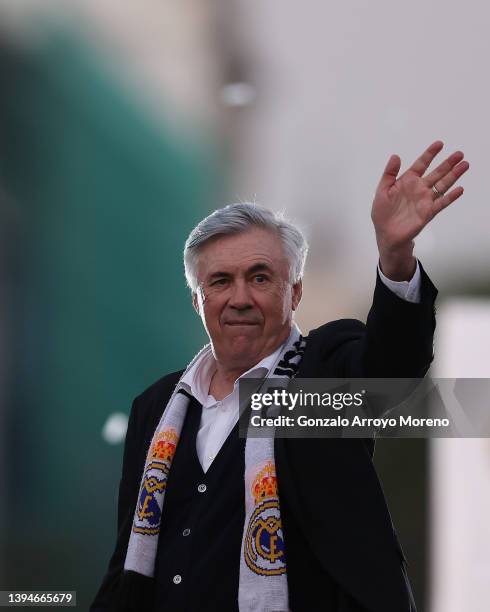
column 397, row 263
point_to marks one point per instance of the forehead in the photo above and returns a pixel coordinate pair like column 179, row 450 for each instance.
column 237, row 252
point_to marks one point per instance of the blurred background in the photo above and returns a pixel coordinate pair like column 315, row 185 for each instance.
column 121, row 126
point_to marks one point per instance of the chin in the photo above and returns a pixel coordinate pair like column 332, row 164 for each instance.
column 244, row 354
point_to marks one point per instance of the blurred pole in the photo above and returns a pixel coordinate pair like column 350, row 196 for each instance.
column 460, row 471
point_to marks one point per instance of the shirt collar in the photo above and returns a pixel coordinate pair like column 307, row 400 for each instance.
column 197, row 379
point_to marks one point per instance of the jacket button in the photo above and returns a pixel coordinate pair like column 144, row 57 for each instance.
column 186, row 532
column 177, row 579
column 201, row 488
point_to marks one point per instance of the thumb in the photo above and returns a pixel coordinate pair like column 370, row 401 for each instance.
column 390, row 172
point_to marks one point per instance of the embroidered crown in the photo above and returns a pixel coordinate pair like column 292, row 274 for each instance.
column 164, row 445
column 265, row 483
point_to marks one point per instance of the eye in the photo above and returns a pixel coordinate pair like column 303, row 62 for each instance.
column 219, row 282
column 260, row 279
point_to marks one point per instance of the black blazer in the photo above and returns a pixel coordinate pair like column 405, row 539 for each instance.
column 330, row 484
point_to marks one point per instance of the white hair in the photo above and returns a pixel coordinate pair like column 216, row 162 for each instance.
column 237, row 218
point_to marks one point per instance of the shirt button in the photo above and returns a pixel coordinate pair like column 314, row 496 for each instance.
column 177, row 579
column 186, row 532
column 201, row 488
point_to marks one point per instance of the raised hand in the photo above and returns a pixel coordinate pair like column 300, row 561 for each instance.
column 403, row 206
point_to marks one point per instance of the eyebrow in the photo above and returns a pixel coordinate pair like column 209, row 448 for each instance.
column 258, row 267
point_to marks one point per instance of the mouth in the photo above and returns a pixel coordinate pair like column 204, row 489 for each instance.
column 240, row 323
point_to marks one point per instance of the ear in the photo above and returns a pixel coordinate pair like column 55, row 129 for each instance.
column 297, row 294
column 195, row 302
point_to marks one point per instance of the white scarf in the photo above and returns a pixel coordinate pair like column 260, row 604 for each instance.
column 263, row 579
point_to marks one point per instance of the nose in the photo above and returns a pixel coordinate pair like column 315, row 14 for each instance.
column 240, row 296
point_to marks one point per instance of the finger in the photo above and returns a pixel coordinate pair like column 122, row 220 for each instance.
column 421, row 164
column 447, row 181
column 390, row 172
column 447, row 199
column 441, row 170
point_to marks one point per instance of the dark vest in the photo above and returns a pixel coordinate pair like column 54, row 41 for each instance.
column 202, row 526
column 198, row 558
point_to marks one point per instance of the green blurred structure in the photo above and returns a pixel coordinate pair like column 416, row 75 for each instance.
column 97, row 203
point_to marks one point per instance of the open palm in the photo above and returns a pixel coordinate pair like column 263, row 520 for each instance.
column 403, row 206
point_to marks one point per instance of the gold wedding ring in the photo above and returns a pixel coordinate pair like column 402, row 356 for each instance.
column 437, row 192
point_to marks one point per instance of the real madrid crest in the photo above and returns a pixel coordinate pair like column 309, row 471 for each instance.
column 264, row 549
column 150, row 501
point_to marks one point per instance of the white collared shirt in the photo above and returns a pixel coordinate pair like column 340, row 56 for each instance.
column 219, row 417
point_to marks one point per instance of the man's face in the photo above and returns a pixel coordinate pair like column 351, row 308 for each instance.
column 245, row 298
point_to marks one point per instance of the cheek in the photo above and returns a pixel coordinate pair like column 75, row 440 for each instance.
column 278, row 306
column 211, row 313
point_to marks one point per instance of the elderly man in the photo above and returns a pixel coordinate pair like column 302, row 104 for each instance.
column 209, row 521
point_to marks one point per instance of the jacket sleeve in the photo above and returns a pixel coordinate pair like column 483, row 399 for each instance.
column 398, row 341
column 108, row 595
